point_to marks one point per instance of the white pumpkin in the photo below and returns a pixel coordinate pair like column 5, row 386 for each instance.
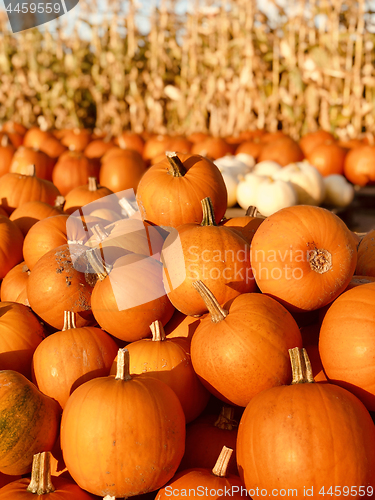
column 247, row 190
column 245, row 158
column 231, row 183
column 266, row 167
column 233, row 165
column 306, row 180
column 339, row 192
column 273, row 195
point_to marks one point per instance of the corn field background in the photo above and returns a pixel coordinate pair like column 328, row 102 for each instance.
column 223, row 69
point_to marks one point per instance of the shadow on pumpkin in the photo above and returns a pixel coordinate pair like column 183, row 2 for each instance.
column 19, row 361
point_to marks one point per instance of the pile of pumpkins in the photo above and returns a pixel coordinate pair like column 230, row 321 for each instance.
column 150, row 347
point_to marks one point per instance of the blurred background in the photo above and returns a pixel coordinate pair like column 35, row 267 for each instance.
column 195, row 65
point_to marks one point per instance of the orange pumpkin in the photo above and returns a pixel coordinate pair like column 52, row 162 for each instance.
column 231, row 339
column 129, row 292
column 14, row 284
column 165, row 359
column 55, row 286
column 90, row 192
column 73, row 356
column 11, row 242
column 305, row 438
column 283, row 150
column 72, row 170
column 76, row 139
column 215, row 254
column 303, row 256
column 41, row 484
column 213, row 148
column 24, row 157
column 247, row 225
column 150, row 429
column 252, row 148
column 16, row 189
column 20, row 335
column 130, row 140
column 346, row 342
column 359, row 167
column 122, row 169
column 366, row 255
column 205, row 483
column 30, row 422
column 28, row 214
column 328, row 157
column 311, row 140
column 6, row 154
column 184, row 180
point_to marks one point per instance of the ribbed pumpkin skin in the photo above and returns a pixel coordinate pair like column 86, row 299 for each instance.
column 16, row 189
column 31, row 212
column 29, row 422
column 347, row 342
column 306, row 435
column 64, row 490
column 180, row 203
column 281, row 251
column 55, row 286
column 67, row 359
column 122, row 438
column 14, row 283
column 256, row 333
column 20, row 335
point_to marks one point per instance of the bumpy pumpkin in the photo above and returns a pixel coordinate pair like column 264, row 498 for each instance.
column 306, row 437
column 135, row 453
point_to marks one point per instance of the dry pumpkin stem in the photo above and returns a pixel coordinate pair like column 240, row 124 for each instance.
column 101, row 269
column 214, row 308
column 93, row 184
column 221, row 465
column 225, row 420
column 4, row 141
column 25, row 269
column 301, row 366
column 158, row 333
column 69, row 320
column 177, row 168
column 254, row 212
column 123, row 365
column 320, row 260
column 208, row 212
column 41, row 483
column 30, row 170
column 121, row 142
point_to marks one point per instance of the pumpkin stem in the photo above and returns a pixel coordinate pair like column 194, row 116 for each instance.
column 101, row 269
column 158, row 333
column 320, row 260
column 30, row 170
column 208, row 213
column 93, row 184
column 59, row 202
column 127, row 207
column 123, row 365
column 25, row 269
column 177, row 168
column 99, row 233
column 69, row 320
column 301, row 366
column 254, row 212
column 214, row 308
column 226, row 420
column 41, row 483
column 221, row 465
